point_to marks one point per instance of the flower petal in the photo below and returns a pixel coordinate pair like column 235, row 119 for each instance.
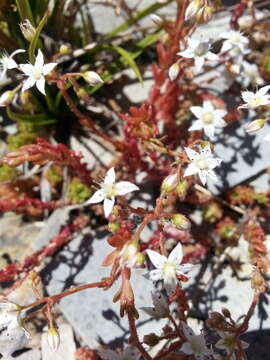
column 28, row 69
column 202, row 176
column 156, row 259
column 155, row 275
column 197, row 125
column 110, row 176
column 170, row 284
column 191, row 170
column 97, row 197
column 176, row 254
column 149, row 311
column 11, row 64
column 39, row 60
column 28, row 84
column 197, row 111
column 40, row 84
column 125, row 187
column 48, row 68
column 192, row 155
column 263, row 90
column 108, row 206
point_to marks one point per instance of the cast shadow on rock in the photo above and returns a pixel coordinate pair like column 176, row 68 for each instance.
column 75, row 256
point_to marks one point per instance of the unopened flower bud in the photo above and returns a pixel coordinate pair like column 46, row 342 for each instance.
column 92, row 77
column 27, row 30
column 169, row 183
column 204, row 14
column 182, row 188
column 181, row 222
column 255, row 125
column 113, row 226
column 156, row 19
column 65, row 49
column 192, row 9
column 7, row 97
column 151, row 339
column 53, row 339
column 174, row 71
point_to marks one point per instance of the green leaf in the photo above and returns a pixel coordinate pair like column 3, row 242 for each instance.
column 120, row 63
column 37, row 119
column 33, row 43
column 131, row 62
column 25, row 10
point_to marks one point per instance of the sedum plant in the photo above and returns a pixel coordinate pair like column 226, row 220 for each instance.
column 53, row 81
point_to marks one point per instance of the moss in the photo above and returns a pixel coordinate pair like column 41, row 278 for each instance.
column 7, row 173
column 16, row 141
column 54, row 175
column 78, row 192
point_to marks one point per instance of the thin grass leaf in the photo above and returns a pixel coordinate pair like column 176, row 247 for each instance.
column 131, row 62
column 121, row 63
column 33, row 43
column 25, row 10
column 37, row 119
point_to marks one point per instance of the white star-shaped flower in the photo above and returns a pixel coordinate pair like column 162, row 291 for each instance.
column 168, row 268
column 208, row 118
column 36, row 73
column 160, row 308
column 195, row 344
column 228, row 343
column 250, row 75
column 202, row 163
column 255, row 99
column 109, row 189
column 129, row 353
column 234, row 40
column 199, row 51
column 7, row 62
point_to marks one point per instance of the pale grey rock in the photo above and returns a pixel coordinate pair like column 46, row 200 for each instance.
column 66, row 348
column 244, row 155
column 53, row 225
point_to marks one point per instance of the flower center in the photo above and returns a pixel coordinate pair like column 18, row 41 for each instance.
column 228, row 341
column 196, row 344
column 236, row 39
column 208, row 118
column 202, row 164
column 256, row 101
column 110, row 190
column 200, row 50
column 37, row 73
column 169, row 270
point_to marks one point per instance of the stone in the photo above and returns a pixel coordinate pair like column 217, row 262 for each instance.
column 244, row 155
column 13, row 227
column 66, row 348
